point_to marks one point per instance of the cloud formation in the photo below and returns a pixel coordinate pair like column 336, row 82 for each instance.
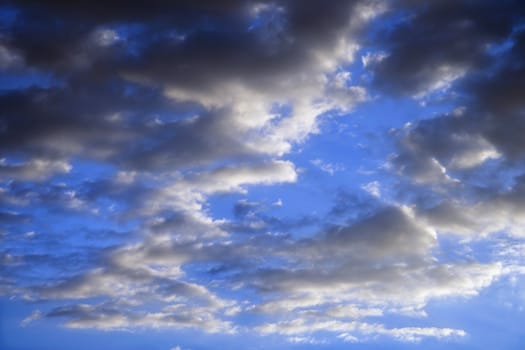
column 148, row 152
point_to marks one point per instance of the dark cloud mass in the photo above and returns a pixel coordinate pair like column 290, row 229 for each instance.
column 442, row 40
column 155, row 163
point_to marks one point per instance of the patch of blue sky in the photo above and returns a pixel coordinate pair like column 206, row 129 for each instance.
column 8, row 15
column 27, row 78
column 266, row 17
column 497, row 49
column 85, row 169
column 43, row 233
column 14, row 336
column 54, row 231
column 323, row 172
column 280, row 111
column 458, row 249
column 132, row 35
column 294, row 200
column 492, row 319
column 222, row 205
column 502, row 47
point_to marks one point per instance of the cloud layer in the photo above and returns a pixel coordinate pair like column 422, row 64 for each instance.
column 146, row 150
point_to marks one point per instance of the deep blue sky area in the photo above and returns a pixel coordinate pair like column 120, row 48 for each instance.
column 193, row 175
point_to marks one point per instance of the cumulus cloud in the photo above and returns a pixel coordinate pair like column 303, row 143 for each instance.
column 480, row 218
column 375, row 261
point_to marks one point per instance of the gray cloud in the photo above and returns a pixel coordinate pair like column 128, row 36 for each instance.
column 441, row 41
column 108, row 316
column 484, row 126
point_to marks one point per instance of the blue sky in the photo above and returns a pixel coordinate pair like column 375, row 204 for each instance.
column 262, row 174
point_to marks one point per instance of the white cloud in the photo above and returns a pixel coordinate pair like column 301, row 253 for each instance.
column 190, row 193
column 440, row 78
column 36, row 315
column 329, row 168
column 374, row 188
column 495, row 213
column 372, row 57
column 356, row 331
column 9, row 58
column 415, row 334
column 278, row 203
column 105, row 37
column 34, row 169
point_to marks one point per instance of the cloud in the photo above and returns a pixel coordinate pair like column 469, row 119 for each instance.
column 8, row 57
column 374, row 188
column 346, row 330
column 106, row 317
column 439, row 43
column 85, row 117
column 132, row 277
column 35, row 315
column 432, row 146
column 327, row 167
column 481, row 130
column 479, row 218
column 154, row 113
column 35, row 169
column 253, row 70
column 372, row 262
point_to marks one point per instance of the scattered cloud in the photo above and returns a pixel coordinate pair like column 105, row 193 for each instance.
column 147, row 152
column 329, row 168
column 35, row 315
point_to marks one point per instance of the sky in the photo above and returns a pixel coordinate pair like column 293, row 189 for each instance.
column 185, row 175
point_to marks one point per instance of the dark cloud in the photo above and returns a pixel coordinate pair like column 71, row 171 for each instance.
column 348, row 204
column 107, row 124
column 390, row 232
column 499, row 100
column 13, row 217
column 133, row 10
column 250, row 41
column 117, row 70
column 247, row 55
column 489, row 110
column 117, row 316
column 61, row 122
column 434, row 42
